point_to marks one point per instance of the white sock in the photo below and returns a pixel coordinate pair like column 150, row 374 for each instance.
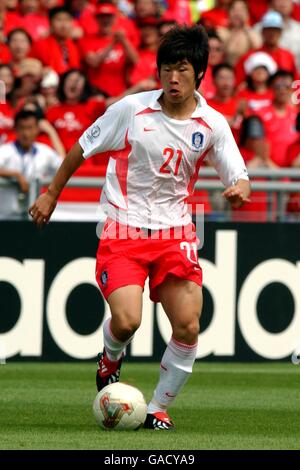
column 175, row 368
column 114, row 347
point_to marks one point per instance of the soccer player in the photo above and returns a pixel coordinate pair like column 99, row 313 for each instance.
column 158, row 140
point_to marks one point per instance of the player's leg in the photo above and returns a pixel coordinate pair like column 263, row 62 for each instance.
column 182, row 302
column 126, row 311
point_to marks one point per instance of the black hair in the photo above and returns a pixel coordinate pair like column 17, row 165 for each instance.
column 18, row 30
column 224, row 65
column 252, row 127
column 281, row 74
column 86, row 92
column 25, row 114
column 56, row 10
column 185, row 43
column 212, row 34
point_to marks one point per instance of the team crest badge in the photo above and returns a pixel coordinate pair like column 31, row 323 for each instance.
column 104, row 277
column 197, row 140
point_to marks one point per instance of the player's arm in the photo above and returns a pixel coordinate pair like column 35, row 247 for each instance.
column 107, row 133
column 45, row 204
column 228, row 162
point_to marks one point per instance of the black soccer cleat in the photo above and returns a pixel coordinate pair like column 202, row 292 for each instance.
column 108, row 371
column 157, row 421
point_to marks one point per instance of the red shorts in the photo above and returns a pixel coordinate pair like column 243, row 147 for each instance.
column 127, row 256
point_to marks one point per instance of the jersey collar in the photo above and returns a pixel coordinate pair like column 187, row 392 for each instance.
column 32, row 151
column 198, row 112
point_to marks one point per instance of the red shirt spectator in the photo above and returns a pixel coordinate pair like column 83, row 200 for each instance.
column 146, row 66
column 108, row 54
column 58, row 51
column 5, row 56
column 279, row 119
column 6, row 123
column 75, row 112
column 224, row 100
column 70, row 120
column 215, row 57
column 259, row 67
column 37, row 25
column 217, row 16
column 58, row 56
column 10, row 21
column 280, row 130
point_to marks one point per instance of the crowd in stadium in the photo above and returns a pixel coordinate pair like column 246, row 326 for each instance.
column 67, row 61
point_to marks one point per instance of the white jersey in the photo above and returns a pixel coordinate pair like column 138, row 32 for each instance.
column 39, row 162
column 155, row 159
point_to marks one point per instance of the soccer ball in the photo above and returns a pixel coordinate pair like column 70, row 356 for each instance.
column 120, row 406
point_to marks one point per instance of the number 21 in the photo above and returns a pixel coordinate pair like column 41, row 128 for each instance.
column 169, row 153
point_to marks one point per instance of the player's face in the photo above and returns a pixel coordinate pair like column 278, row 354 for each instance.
column 178, row 81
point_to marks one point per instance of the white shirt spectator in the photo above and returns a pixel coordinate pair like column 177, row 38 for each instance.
column 41, row 161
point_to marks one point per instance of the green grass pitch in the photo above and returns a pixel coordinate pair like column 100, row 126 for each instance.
column 223, row 406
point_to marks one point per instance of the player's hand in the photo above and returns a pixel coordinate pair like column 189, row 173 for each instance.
column 235, row 196
column 42, row 209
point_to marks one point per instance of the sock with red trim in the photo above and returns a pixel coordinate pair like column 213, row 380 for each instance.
column 114, row 348
column 175, row 368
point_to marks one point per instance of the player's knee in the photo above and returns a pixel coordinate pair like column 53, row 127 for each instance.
column 187, row 332
column 128, row 326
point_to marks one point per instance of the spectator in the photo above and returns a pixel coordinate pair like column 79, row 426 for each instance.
column 238, row 37
column 291, row 28
column 279, row 118
column 6, row 107
column 257, row 9
column 255, row 151
column 108, row 54
column 47, row 133
column 146, row 8
column 146, row 68
column 257, row 94
column 58, row 51
column 216, row 56
column 293, row 160
column 19, row 43
column 48, row 89
column 23, row 160
column 76, row 110
column 224, row 100
column 166, row 22
column 34, row 21
column 217, row 16
column 28, row 78
column 272, row 24
column 9, row 20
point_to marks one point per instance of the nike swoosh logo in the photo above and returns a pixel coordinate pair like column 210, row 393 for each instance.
column 169, row 395
column 148, row 130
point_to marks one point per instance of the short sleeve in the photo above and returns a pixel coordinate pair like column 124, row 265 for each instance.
column 225, row 156
column 108, row 132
